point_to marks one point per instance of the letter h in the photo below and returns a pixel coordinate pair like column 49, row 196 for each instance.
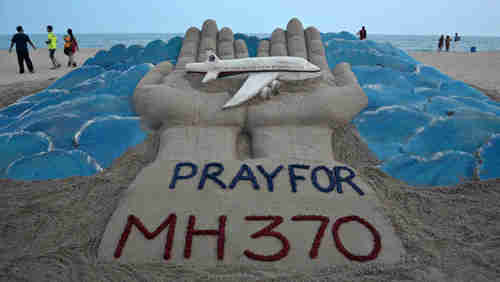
column 220, row 233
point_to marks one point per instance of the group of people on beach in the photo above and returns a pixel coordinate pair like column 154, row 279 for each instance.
column 21, row 41
column 446, row 42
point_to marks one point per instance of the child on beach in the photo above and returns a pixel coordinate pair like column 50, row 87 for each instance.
column 20, row 40
column 447, row 42
column 70, row 47
column 52, row 45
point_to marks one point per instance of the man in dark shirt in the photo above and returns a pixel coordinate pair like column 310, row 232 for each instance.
column 362, row 33
column 21, row 41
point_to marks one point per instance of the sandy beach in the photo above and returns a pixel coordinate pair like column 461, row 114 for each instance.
column 477, row 69
column 14, row 85
column 9, row 70
column 51, row 230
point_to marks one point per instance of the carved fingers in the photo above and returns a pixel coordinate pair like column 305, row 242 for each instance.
column 208, row 39
column 196, row 43
column 263, row 50
column 225, row 44
column 315, row 49
column 240, row 49
column 296, row 42
column 278, row 43
column 189, row 49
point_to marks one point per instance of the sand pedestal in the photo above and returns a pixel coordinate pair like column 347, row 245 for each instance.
column 325, row 194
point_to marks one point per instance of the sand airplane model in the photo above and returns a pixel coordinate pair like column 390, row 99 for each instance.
column 264, row 73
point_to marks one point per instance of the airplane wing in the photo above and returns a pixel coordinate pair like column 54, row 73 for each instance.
column 254, row 83
column 211, row 75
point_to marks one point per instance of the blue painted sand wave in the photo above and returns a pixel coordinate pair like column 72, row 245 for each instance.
column 427, row 128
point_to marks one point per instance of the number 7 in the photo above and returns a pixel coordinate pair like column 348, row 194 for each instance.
column 313, row 253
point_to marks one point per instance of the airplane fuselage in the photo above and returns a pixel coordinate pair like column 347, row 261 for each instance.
column 257, row 64
column 264, row 73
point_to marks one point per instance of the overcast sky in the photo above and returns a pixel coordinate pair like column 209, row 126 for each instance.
column 472, row 17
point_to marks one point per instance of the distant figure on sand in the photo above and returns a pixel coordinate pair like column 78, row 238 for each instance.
column 70, row 47
column 52, row 46
column 362, row 33
column 440, row 43
column 447, row 42
column 456, row 39
column 20, row 39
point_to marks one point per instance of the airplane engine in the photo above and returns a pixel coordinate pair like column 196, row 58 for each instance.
column 265, row 92
column 275, row 85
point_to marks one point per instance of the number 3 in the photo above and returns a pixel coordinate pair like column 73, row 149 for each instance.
column 268, row 231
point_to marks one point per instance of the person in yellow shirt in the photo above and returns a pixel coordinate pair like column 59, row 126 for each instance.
column 52, row 46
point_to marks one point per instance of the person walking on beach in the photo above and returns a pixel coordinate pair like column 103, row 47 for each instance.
column 447, row 42
column 362, row 33
column 21, row 40
column 52, row 46
column 70, row 47
column 440, row 43
column 456, row 39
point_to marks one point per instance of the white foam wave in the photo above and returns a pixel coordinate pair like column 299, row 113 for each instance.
column 489, row 142
column 48, row 138
column 7, row 170
column 76, row 138
column 55, row 91
column 389, row 109
column 376, row 86
column 88, row 158
column 417, row 90
column 439, row 155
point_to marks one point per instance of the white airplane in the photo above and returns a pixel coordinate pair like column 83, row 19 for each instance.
column 264, row 73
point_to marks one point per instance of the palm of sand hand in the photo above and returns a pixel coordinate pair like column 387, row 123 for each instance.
column 298, row 123
column 285, row 126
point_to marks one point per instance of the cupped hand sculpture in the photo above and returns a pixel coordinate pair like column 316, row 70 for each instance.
column 296, row 123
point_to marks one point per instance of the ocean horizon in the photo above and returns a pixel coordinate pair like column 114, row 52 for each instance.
column 408, row 43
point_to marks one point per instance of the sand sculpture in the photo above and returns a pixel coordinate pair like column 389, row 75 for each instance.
column 264, row 74
column 224, row 180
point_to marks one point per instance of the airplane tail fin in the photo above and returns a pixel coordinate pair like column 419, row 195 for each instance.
column 212, row 56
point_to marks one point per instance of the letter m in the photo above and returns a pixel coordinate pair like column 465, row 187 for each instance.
column 133, row 220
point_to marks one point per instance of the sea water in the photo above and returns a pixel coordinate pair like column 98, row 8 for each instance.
column 405, row 42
